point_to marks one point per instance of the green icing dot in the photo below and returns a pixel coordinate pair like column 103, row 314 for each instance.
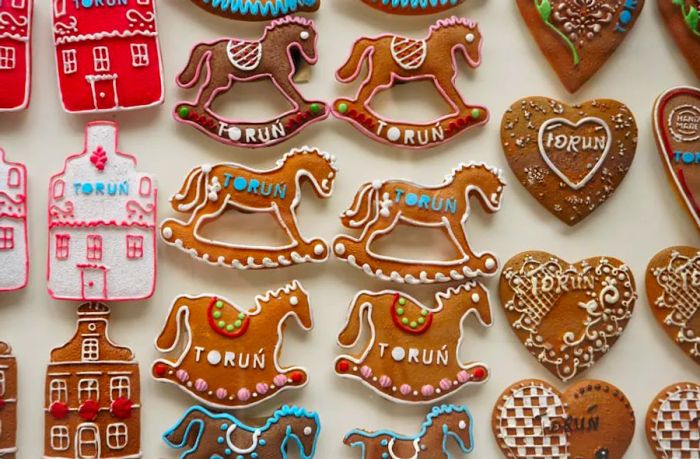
column 421, row 321
column 404, row 321
column 476, row 113
column 402, row 301
column 241, row 316
column 221, row 324
column 229, row 327
column 238, row 323
column 424, row 313
column 343, row 107
column 219, row 304
column 217, row 314
column 315, row 108
column 400, row 311
column 414, row 324
column 184, row 112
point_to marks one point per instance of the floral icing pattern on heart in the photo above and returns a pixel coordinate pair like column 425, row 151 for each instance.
column 682, row 18
column 567, row 315
column 673, row 422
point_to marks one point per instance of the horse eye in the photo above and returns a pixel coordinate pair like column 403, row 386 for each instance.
column 308, row 431
column 601, row 454
column 304, row 35
column 470, row 38
column 462, row 425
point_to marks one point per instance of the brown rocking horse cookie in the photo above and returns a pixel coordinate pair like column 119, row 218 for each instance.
column 673, row 422
column 673, row 290
column 210, row 191
column 412, row 7
column 568, row 316
column 229, row 358
column 393, row 59
column 257, row 10
column 443, row 423
column 412, row 352
column 221, row 64
column 379, row 206
column 591, row 419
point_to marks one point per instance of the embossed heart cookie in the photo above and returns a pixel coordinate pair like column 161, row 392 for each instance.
column 673, row 290
column 682, row 18
column 578, row 36
column 567, row 315
column 677, row 130
column 591, row 420
column 673, row 422
column 570, row 158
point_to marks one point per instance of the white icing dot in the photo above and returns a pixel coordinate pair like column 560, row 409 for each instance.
column 167, row 233
column 319, row 249
column 398, row 354
column 339, row 248
column 294, row 301
column 475, row 298
column 470, row 38
column 377, row 184
column 304, row 35
column 490, row 263
column 214, row 357
column 308, row 431
column 393, row 134
column 206, row 168
column 462, row 425
column 235, row 134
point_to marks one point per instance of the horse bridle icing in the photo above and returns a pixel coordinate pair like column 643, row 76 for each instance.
column 416, row 446
column 237, row 450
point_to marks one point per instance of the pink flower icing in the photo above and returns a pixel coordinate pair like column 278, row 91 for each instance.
column 366, row 372
column 262, row 388
column 384, row 381
column 280, row 380
column 201, row 385
column 221, row 393
column 244, row 395
column 405, row 389
column 427, row 390
column 463, row 376
column 445, row 384
column 182, row 375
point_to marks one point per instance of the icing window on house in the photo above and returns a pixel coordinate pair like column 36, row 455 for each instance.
column 134, row 246
column 120, row 387
column 88, row 389
column 117, row 436
column 91, row 350
column 60, row 438
column 94, row 247
column 2, row 383
column 7, row 238
column 59, row 7
column 8, row 60
column 139, row 55
column 19, row 3
column 62, row 246
column 59, row 187
column 101, row 56
column 143, row 2
column 14, row 178
column 89, row 441
column 58, row 391
column 70, row 61
column 145, row 186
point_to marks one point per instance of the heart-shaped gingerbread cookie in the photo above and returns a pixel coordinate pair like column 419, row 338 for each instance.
column 591, row 420
column 570, row 158
column 578, row 36
column 677, row 130
column 673, row 422
column 682, row 17
column 673, row 290
column 567, row 315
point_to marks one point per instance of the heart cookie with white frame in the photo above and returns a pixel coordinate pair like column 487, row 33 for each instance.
column 673, row 422
column 570, row 158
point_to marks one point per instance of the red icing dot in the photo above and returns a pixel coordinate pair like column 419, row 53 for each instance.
column 479, row 373
column 160, row 369
column 88, row 410
column 121, row 408
column 58, row 410
column 2, row 404
column 343, row 366
column 296, row 377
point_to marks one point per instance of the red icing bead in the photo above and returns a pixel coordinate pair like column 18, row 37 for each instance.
column 479, row 373
column 58, row 410
column 121, row 408
column 296, row 377
column 2, row 404
column 160, row 369
column 343, row 366
column 88, row 410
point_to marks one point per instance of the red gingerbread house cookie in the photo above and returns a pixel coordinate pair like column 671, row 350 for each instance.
column 15, row 54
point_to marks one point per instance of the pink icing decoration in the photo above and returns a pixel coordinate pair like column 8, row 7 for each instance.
column 366, row 372
column 463, row 376
column 262, row 388
column 201, row 385
column 445, row 384
column 405, row 389
column 244, row 394
column 427, row 390
column 182, row 375
column 384, row 381
column 221, row 393
column 280, row 380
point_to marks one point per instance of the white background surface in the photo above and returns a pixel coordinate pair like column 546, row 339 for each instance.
column 641, row 218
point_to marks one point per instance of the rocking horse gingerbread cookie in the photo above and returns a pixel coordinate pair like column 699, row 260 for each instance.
column 208, row 435
column 220, row 64
column 443, row 423
column 379, row 206
column 413, row 350
column 394, row 59
column 257, row 10
column 229, row 357
column 210, row 191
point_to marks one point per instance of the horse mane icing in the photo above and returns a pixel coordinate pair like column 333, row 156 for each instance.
column 453, row 291
column 294, row 411
column 468, row 166
column 287, row 289
column 441, row 410
column 330, row 159
column 454, row 21
column 289, row 20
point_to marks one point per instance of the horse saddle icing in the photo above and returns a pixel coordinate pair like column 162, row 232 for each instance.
column 223, row 322
column 409, row 53
column 415, row 325
column 244, row 55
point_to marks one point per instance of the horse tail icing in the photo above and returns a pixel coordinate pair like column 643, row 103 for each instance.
column 193, row 191
column 355, row 439
column 178, row 436
column 361, row 210
column 351, row 69
column 193, row 72
column 170, row 334
column 353, row 326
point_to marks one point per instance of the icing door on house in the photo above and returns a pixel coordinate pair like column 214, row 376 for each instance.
column 104, row 91
column 87, row 439
column 94, row 279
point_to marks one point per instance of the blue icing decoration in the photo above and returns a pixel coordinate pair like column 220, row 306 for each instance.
column 414, row 4
column 627, row 15
column 258, row 8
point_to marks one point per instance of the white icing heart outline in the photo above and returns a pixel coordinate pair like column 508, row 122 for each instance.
column 576, row 125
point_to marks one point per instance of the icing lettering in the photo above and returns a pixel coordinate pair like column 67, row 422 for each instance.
column 254, row 186
column 572, row 424
column 561, row 282
column 576, row 143
column 426, row 202
column 250, row 135
column 409, row 136
column 686, row 157
column 230, row 359
column 100, row 3
column 101, row 188
column 415, row 356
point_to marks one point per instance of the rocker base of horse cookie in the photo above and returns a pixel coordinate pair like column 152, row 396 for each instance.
column 250, row 134
column 408, row 135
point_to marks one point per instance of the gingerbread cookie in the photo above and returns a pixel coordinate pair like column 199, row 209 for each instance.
column 412, row 7
column 412, row 352
column 673, row 290
column 102, row 223
column 591, row 419
column 230, row 354
column 8, row 402
column 682, row 17
column 14, row 247
column 107, row 55
column 92, row 394
column 257, row 10
column 577, row 37
column 443, row 424
column 570, row 158
column 673, row 422
column 210, row 191
column 379, row 206
column 568, row 316
column 16, row 56
column 393, row 59
column 677, row 130
column 276, row 56
column 211, row 435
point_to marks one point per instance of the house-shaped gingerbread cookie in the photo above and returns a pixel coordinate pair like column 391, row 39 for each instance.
column 14, row 261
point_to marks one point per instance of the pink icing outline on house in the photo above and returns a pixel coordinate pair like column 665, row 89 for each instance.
column 26, row 37
column 21, row 198
column 109, row 223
